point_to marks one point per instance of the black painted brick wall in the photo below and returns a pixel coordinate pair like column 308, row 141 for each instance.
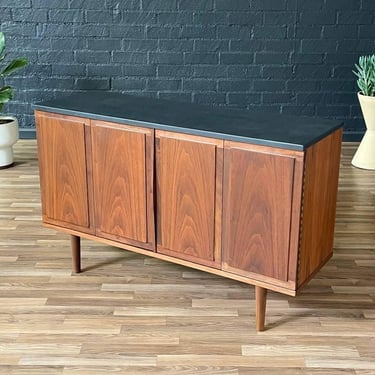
column 288, row 56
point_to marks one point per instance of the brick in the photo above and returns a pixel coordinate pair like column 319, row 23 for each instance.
column 339, row 85
column 317, row 18
column 277, row 98
column 29, row 15
column 207, row 32
column 233, row 85
column 176, row 96
column 279, row 18
column 201, row 58
column 128, row 84
column 6, row 15
column 139, row 45
column 158, row 5
column 12, row 29
column 340, row 32
column 368, row 5
column 129, row 57
column 209, row 98
column 99, row 16
column 139, row 18
column 57, row 83
column 313, row 71
column 175, row 18
column 279, row 45
column 233, row 5
column 126, row 5
column 355, row 18
column 266, row 85
column 69, row 70
column 69, row 44
column 367, row 31
column 89, row 56
column 277, row 72
column 211, row 45
column 242, row 100
column 53, row 57
column 245, row 18
column 195, row 5
column 236, row 58
column 104, row 70
column 127, row 32
column 332, row 110
column 243, row 71
column 301, row 84
column 343, row 4
column 162, row 32
column 270, row 32
column 64, row 16
column 246, row 45
column 15, row 3
column 210, row 71
column 315, row 97
column 165, row 58
column 164, row 84
column 176, row 45
column 177, row 71
column 363, row 46
column 298, row 110
column 86, row 4
column 318, row 46
column 139, row 70
column 309, row 32
column 270, row 58
column 106, row 44
column 199, row 85
column 90, row 30
column 269, row 4
column 344, row 98
column 233, row 32
column 92, row 84
column 307, row 58
column 311, row 5
column 210, row 18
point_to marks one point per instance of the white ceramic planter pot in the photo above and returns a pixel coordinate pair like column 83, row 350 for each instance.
column 365, row 155
column 8, row 137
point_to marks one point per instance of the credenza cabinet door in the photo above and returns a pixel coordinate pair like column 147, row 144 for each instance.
column 63, row 165
column 189, row 195
column 260, row 220
column 123, row 183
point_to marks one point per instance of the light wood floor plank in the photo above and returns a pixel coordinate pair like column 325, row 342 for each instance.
column 129, row 314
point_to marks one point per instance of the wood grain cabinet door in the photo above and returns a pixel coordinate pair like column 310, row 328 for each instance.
column 260, row 220
column 123, row 183
column 63, row 162
column 189, row 184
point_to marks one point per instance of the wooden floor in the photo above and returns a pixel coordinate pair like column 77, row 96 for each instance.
column 128, row 314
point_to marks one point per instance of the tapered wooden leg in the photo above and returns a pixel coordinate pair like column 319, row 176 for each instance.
column 260, row 312
column 75, row 242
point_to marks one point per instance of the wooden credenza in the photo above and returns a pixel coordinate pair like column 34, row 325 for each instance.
column 257, row 210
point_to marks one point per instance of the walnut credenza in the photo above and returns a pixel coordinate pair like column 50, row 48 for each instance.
column 241, row 194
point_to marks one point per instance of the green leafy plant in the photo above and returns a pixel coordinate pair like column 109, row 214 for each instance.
column 366, row 74
column 6, row 92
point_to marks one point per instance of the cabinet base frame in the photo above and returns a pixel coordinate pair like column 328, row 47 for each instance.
column 261, row 289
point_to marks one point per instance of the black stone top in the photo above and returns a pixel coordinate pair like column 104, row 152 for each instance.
column 270, row 129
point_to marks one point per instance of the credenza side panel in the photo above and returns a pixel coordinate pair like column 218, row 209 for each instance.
column 63, row 170
column 189, row 179
column 322, row 164
column 123, row 182
column 258, row 207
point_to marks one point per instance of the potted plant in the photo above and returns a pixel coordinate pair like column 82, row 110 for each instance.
column 8, row 124
column 365, row 72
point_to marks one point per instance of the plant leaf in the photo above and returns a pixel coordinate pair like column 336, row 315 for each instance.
column 13, row 66
column 6, row 93
column 2, row 42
